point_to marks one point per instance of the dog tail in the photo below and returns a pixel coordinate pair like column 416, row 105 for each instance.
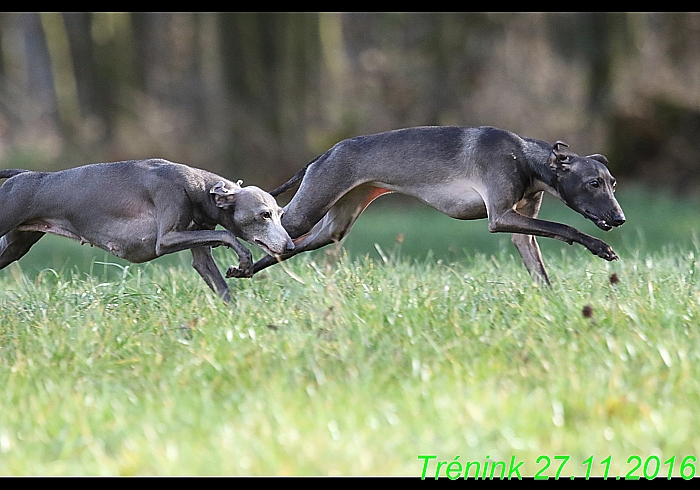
column 6, row 173
column 291, row 182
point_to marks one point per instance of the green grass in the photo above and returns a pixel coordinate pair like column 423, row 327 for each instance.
column 359, row 370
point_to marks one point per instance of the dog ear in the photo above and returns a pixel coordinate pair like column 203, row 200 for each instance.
column 223, row 196
column 600, row 158
column 558, row 157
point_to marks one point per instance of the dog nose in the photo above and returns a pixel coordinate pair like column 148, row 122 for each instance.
column 289, row 246
column 618, row 219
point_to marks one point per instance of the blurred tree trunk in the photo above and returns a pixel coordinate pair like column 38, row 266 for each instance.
column 256, row 50
column 108, row 52
column 458, row 47
column 65, row 88
column 3, row 73
column 169, row 61
column 597, row 38
column 78, row 28
column 140, row 22
column 40, row 83
column 601, row 58
column 269, row 66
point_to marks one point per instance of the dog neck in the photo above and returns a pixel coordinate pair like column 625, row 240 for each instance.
column 543, row 178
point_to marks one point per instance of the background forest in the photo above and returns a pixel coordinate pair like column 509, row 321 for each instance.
column 257, row 95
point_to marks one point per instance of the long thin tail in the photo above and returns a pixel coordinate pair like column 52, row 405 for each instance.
column 6, row 173
column 291, row 182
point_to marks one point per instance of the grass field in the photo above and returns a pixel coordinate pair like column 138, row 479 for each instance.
column 362, row 363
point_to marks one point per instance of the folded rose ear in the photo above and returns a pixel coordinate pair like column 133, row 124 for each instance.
column 558, row 157
column 219, row 188
column 224, row 196
column 600, row 158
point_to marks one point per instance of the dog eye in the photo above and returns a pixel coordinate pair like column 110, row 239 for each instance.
column 614, row 185
column 266, row 215
column 594, row 183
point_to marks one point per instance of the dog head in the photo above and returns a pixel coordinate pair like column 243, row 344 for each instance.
column 586, row 186
column 253, row 215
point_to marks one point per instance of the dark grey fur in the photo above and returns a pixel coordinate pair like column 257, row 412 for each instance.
column 139, row 210
column 467, row 173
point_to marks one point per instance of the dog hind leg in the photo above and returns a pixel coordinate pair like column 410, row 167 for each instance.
column 15, row 244
column 527, row 244
column 332, row 228
column 336, row 224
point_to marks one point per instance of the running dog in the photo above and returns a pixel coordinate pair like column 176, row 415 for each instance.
column 465, row 172
column 139, row 210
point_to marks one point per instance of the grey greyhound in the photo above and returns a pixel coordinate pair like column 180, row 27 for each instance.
column 465, row 172
column 139, row 210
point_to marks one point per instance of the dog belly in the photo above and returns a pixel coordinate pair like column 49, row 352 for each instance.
column 458, row 200
column 469, row 206
column 132, row 240
column 139, row 251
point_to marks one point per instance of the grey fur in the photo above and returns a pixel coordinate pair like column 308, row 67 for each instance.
column 465, row 172
column 139, row 210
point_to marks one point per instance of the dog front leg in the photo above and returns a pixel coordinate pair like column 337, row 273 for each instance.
column 245, row 263
column 176, row 241
column 513, row 222
column 261, row 264
column 203, row 263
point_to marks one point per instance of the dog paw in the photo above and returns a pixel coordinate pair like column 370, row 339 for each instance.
column 239, row 272
column 602, row 250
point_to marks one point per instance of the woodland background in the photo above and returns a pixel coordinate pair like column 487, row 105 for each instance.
column 257, row 95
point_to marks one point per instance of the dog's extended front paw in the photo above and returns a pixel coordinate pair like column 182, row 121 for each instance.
column 239, row 272
column 602, row 250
